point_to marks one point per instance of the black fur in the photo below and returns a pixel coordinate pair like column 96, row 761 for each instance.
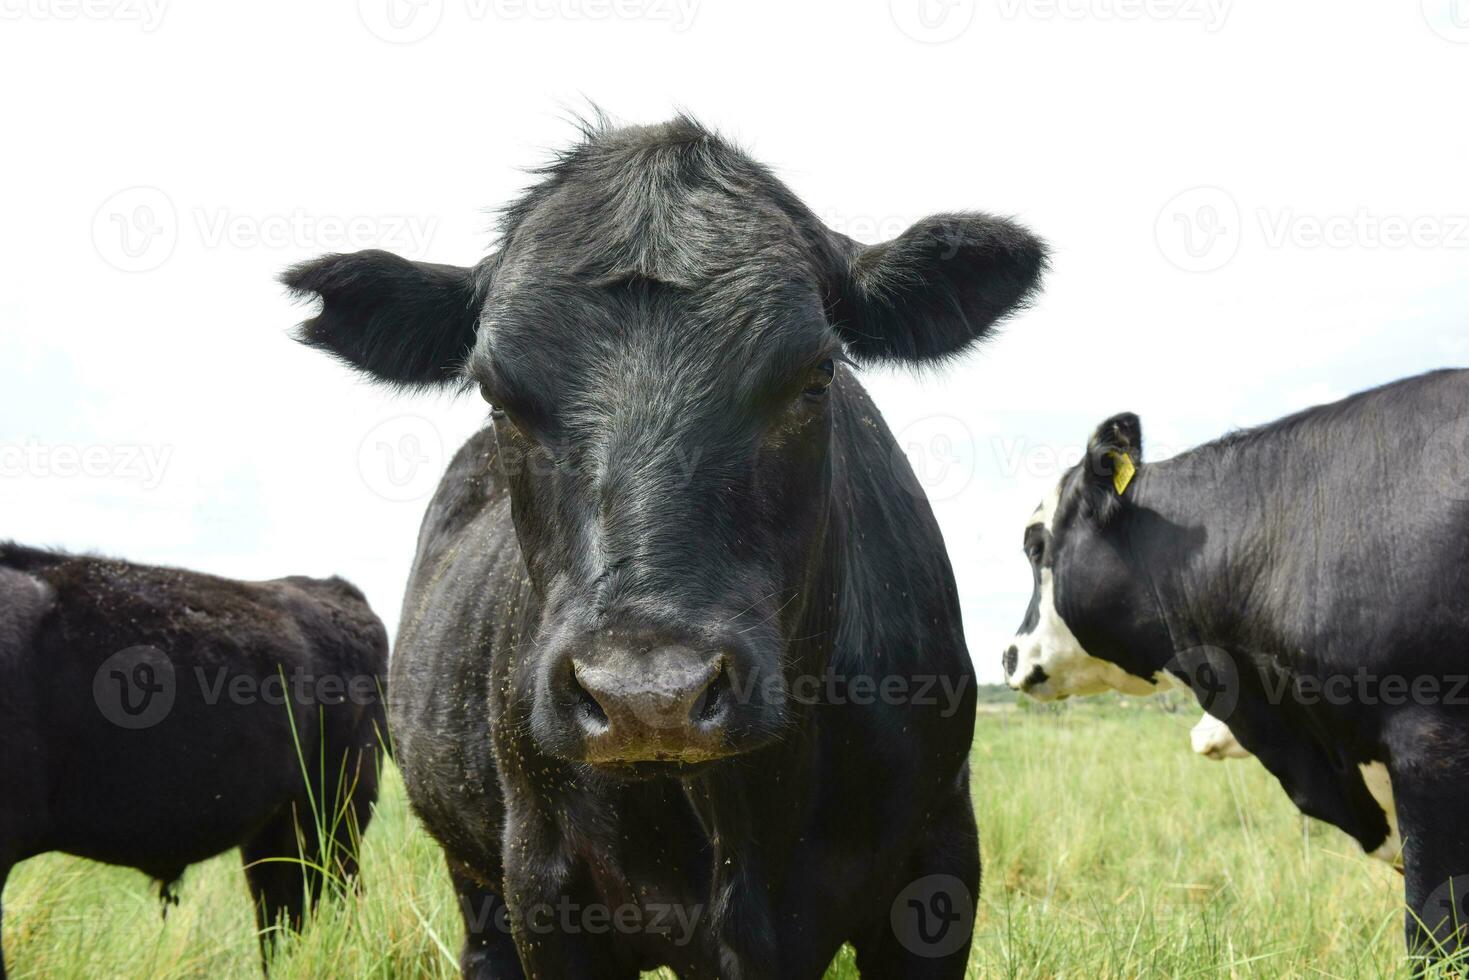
column 941, row 285
column 667, row 468
column 1326, row 552
column 217, row 770
column 369, row 298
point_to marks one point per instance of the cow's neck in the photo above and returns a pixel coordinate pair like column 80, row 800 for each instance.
column 1198, row 534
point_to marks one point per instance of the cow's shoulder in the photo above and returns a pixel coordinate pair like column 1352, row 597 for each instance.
column 473, row 482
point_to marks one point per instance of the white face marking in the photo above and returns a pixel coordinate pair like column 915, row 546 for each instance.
column 1379, row 784
column 1051, row 651
column 1212, row 739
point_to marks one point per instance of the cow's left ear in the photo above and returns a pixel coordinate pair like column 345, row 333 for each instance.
column 1113, row 455
column 410, row 324
column 937, row 288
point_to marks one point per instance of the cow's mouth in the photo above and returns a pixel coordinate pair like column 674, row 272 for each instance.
column 654, row 754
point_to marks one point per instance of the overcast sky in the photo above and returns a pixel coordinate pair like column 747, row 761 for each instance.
column 1254, row 207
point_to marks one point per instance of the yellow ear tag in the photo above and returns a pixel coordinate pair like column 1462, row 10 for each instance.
column 1124, row 473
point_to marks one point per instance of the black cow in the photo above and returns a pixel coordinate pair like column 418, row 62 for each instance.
column 146, row 720
column 1309, row 581
column 638, row 686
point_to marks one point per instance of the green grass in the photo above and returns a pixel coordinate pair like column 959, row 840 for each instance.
column 1110, row 850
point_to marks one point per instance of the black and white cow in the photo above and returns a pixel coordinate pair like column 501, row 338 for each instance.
column 155, row 717
column 1309, row 581
column 648, row 594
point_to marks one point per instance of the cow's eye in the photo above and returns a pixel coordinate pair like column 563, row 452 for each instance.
column 818, row 381
column 495, row 410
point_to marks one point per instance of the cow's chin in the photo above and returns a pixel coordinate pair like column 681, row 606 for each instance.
column 1084, row 676
column 643, row 772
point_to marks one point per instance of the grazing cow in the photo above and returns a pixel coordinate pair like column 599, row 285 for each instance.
column 1309, row 581
column 681, row 642
column 154, row 717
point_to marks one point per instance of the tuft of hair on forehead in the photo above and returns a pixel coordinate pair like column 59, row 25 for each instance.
column 673, row 202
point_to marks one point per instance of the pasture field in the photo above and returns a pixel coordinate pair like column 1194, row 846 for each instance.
column 1110, row 850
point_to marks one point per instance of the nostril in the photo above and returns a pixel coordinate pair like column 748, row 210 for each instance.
column 1012, row 660
column 586, row 705
column 711, row 701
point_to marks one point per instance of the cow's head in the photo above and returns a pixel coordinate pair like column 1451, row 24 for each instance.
column 664, row 338
column 1087, row 603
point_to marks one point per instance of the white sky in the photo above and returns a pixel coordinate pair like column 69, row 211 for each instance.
column 164, row 160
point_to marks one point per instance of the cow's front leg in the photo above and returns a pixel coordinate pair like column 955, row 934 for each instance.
column 548, row 894
column 1435, row 863
column 489, row 949
column 924, row 930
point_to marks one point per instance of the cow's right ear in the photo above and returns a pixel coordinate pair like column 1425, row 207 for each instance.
column 936, row 290
column 1113, row 455
column 410, row 324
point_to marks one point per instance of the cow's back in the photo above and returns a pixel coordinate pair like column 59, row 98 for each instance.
column 1363, row 508
column 202, row 763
